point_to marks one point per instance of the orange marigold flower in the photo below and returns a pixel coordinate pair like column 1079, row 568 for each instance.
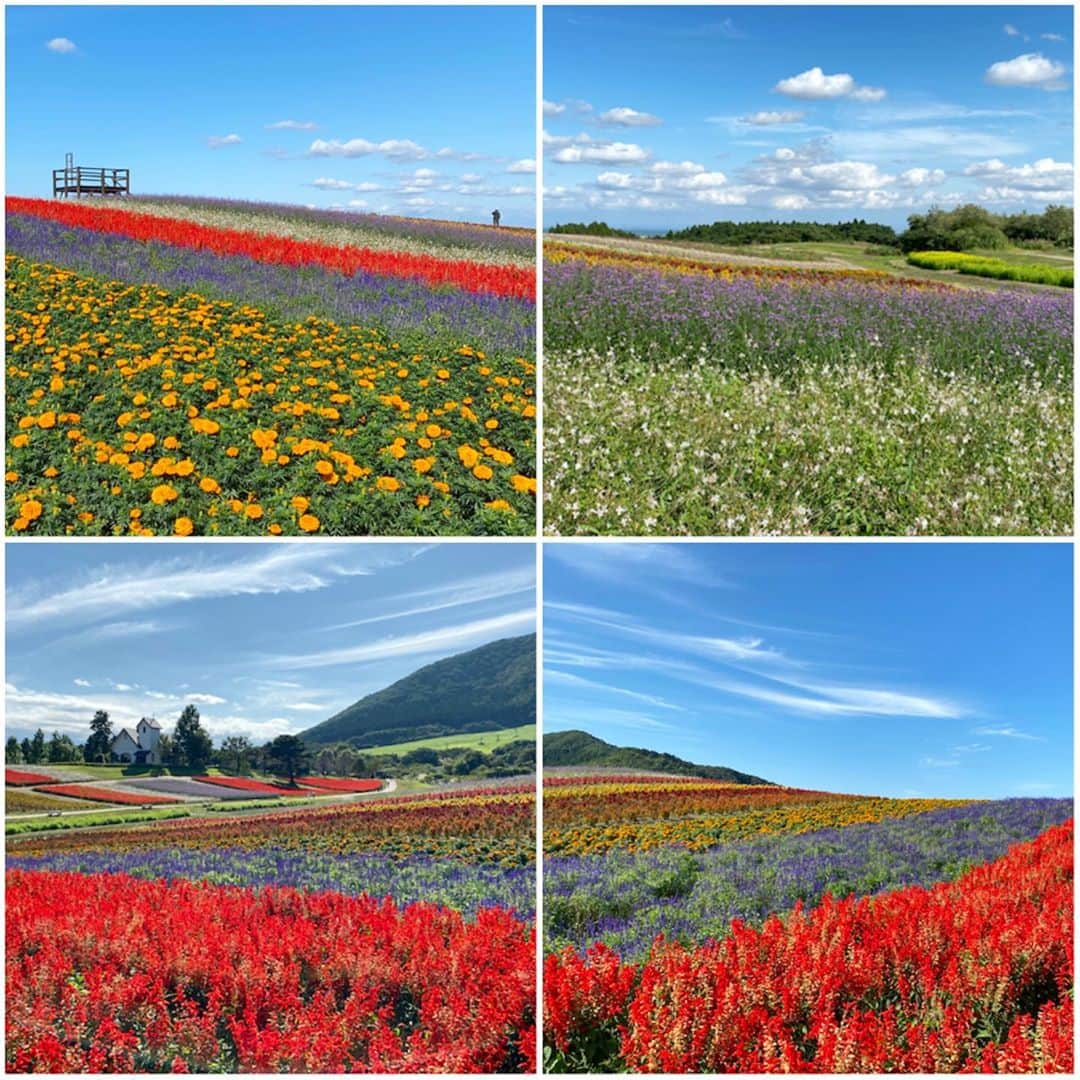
column 499, row 504
column 324, row 468
column 469, row 456
column 423, row 500
column 31, row 510
column 163, row 493
column 524, row 483
column 387, row 483
column 183, row 526
column 299, row 503
column 482, row 472
column 209, row 485
column 309, row 523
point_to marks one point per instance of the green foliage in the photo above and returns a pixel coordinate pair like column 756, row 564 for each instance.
column 61, row 749
column 485, row 689
column 288, row 756
column 569, row 748
column 12, row 752
column 786, row 232
column 973, row 228
column 192, row 746
column 981, row 266
column 101, row 737
column 594, row 228
column 106, row 817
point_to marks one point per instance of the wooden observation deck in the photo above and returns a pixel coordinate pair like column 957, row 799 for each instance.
column 81, row 180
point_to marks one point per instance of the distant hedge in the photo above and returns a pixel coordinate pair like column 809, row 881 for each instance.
column 594, row 228
column 983, row 266
column 787, row 232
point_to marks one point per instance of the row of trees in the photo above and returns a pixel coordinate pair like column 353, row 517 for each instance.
column 787, row 232
column 189, row 748
column 971, row 228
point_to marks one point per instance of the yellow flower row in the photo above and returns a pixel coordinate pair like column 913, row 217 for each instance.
column 143, row 412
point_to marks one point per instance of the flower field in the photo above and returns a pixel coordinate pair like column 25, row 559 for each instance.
column 25, row 778
column 244, row 783
column 104, row 794
column 333, row 783
column 689, row 397
column 176, row 372
column 324, row 948
column 919, row 939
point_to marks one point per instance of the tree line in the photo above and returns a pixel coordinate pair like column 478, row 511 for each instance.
column 191, row 749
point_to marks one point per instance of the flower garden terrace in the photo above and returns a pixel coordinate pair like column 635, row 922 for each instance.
column 276, row 980
column 135, row 409
column 969, row 975
column 706, row 399
column 492, row 825
column 591, row 816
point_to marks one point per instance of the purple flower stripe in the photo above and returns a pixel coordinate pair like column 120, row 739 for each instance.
column 626, row 900
column 447, row 317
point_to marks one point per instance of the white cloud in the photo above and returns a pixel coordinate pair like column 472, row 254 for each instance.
column 81, row 682
column 305, row 706
column 1011, row 30
column 1007, row 732
column 919, row 177
column 939, row 763
column 525, row 165
column 1053, row 37
column 814, row 85
column 215, row 142
column 328, row 183
column 1046, row 173
column 292, row 125
column 622, row 116
column 553, row 109
column 205, row 699
column 676, row 168
column 448, row 639
column 565, row 678
column 790, row 202
column 61, row 45
column 602, row 153
column 766, row 118
column 1030, row 69
column 278, row 569
column 394, row 149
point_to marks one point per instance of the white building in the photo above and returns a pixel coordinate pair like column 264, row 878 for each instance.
column 140, row 747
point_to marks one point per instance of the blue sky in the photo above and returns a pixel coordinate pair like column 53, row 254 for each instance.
column 694, row 114
column 890, row 669
column 416, row 110
column 263, row 638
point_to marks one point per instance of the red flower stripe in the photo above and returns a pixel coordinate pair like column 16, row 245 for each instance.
column 106, row 794
column 331, row 783
column 19, row 778
column 974, row 975
column 242, row 783
column 284, row 250
column 105, row 974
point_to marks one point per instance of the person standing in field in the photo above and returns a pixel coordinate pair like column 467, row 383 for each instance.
column 496, row 217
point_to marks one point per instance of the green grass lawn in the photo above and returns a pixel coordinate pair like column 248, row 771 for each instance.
column 484, row 741
column 106, row 817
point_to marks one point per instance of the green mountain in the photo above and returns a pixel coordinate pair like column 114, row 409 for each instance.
column 580, row 748
column 485, row 689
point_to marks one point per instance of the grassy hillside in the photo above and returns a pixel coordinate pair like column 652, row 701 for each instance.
column 487, row 689
column 567, row 748
column 484, row 741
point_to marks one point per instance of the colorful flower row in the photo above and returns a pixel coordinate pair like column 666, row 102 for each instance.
column 555, row 253
column 428, row 319
column 972, row 975
column 117, row 795
column 463, row 274
column 506, row 241
column 22, row 778
column 494, row 825
column 243, row 783
column 625, row 899
column 604, row 802
column 332, row 783
column 705, row 830
column 444, row 239
column 274, row 981
column 210, row 418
